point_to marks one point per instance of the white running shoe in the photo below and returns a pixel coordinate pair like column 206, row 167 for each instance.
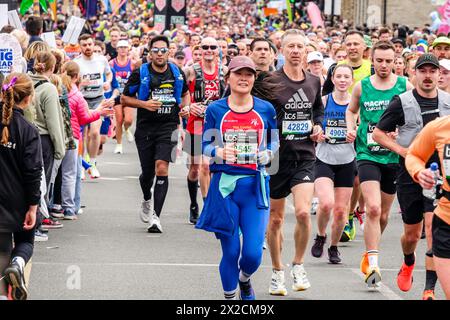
column 277, row 284
column 155, row 224
column 83, row 175
column 146, row 208
column 298, row 274
column 118, row 149
column 94, row 172
column 129, row 135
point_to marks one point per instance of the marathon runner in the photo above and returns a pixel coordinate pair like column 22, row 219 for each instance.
column 92, row 86
column 409, row 112
column 335, row 167
column 123, row 66
column 206, row 84
column 377, row 166
column 238, row 136
column 162, row 95
column 435, row 137
column 299, row 119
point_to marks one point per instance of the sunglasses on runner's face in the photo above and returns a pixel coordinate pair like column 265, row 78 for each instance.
column 206, row 47
column 157, row 50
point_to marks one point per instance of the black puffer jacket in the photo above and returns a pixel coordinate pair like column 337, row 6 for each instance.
column 20, row 172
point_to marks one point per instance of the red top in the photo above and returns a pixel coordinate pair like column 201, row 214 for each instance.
column 212, row 89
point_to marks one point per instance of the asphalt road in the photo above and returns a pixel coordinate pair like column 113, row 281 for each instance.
column 108, row 254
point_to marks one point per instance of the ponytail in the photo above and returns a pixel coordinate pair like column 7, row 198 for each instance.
column 16, row 87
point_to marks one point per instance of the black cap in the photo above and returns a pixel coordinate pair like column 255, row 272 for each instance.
column 425, row 59
column 180, row 54
column 398, row 40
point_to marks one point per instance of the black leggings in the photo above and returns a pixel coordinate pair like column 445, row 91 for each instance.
column 23, row 244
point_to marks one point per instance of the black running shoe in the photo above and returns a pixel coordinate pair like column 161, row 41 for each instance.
column 333, row 255
column 317, row 248
column 14, row 276
column 246, row 290
column 193, row 214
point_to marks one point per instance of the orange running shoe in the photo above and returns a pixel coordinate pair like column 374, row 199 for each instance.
column 405, row 277
column 428, row 295
column 364, row 265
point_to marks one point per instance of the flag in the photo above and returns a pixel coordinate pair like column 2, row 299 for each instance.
column 25, row 5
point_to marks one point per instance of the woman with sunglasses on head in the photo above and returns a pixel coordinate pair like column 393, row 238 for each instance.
column 20, row 179
column 240, row 136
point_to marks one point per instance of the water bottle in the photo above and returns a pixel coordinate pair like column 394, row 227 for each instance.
column 431, row 193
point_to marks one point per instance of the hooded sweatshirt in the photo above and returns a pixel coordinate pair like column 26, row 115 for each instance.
column 45, row 112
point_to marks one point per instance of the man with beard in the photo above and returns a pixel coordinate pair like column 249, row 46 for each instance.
column 162, row 92
column 206, row 84
column 92, row 86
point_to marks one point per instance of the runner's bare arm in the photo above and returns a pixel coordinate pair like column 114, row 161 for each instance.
column 381, row 137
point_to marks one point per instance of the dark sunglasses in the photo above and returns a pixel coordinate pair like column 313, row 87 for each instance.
column 206, row 47
column 162, row 50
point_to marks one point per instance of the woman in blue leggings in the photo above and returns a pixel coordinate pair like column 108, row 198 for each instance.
column 240, row 136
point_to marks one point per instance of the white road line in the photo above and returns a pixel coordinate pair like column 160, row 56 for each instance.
column 207, row 265
column 384, row 290
column 111, row 179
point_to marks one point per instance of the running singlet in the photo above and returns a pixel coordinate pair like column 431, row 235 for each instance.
column 212, row 91
column 373, row 103
column 335, row 150
column 123, row 72
column 246, row 131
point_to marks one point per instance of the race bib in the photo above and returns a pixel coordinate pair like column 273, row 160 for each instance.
column 336, row 131
column 165, row 96
column 300, row 127
column 246, row 144
column 446, row 161
column 374, row 147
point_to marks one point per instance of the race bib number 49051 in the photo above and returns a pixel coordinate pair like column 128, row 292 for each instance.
column 303, row 127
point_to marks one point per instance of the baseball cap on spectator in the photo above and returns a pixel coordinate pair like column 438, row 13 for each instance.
column 445, row 63
column 314, row 56
column 123, row 43
column 427, row 59
column 441, row 40
column 398, row 40
column 180, row 54
column 241, row 62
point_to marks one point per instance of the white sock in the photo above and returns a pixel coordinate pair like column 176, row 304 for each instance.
column 93, row 161
column 20, row 261
column 243, row 277
column 373, row 258
column 230, row 295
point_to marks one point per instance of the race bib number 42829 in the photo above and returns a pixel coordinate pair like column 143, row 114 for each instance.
column 302, row 127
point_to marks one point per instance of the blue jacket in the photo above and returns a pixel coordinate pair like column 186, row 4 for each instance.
column 216, row 215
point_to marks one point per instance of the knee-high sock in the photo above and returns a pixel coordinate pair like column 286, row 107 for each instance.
column 193, row 188
column 161, row 187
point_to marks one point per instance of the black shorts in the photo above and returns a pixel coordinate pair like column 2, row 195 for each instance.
column 290, row 174
column 192, row 144
column 343, row 175
column 385, row 174
column 158, row 144
column 413, row 204
column 441, row 238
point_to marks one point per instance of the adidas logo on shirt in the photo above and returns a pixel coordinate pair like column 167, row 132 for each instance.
column 298, row 101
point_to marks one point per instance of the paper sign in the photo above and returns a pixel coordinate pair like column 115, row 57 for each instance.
column 73, row 30
column 10, row 54
column 14, row 19
column 3, row 15
column 50, row 38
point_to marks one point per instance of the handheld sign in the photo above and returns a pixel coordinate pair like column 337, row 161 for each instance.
column 73, row 30
column 14, row 19
column 50, row 38
column 10, row 54
column 3, row 15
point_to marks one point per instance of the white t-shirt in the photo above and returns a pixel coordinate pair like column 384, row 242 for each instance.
column 93, row 69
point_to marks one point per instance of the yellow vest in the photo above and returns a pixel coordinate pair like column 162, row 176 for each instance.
column 358, row 74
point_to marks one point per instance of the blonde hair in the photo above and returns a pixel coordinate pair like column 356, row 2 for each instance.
column 60, row 56
column 70, row 70
column 57, row 82
column 34, row 49
column 22, row 88
column 43, row 62
column 22, row 37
